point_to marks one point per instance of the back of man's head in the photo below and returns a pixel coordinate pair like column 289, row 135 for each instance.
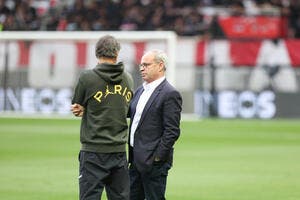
column 107, row 47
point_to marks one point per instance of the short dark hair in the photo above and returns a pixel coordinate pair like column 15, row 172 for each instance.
column 107, row 46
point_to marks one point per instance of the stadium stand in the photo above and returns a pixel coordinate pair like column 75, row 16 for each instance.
column 226, row 49
column 187, row 18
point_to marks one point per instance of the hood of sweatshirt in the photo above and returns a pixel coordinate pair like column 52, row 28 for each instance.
column 111, row 73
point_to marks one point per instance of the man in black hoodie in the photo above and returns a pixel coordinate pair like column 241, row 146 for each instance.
column 101, row 98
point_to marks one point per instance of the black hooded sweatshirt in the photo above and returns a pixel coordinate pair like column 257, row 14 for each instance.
column 105, row 93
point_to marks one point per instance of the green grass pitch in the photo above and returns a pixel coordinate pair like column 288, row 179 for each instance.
column 214, row 160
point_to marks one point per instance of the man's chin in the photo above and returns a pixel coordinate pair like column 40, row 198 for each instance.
column 144, row 77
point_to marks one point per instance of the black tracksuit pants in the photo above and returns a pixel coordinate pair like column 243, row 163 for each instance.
column 103, row 170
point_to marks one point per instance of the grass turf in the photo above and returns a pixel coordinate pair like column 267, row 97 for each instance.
column 214, row 160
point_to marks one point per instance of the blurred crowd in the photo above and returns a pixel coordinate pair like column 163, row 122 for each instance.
column 186, row 17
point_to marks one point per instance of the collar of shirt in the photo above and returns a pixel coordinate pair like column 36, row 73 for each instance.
column 153, row 84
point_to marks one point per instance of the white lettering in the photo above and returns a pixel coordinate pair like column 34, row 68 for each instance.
column 46, row 101
column 227, row 104
column 1, row 99
column 267, row 108
column 12, row 99
column 30, row 100
column 63, row 100
column 247, row 104
column 27, row 100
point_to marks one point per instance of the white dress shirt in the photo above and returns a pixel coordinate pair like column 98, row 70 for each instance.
column 148, row 90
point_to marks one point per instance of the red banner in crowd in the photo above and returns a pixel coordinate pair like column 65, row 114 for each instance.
column 244, row 53
column 237, row 53
column 293, row 47
column 249, row 52
column 253, row 27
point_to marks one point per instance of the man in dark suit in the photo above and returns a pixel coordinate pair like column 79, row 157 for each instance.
column 155, row 112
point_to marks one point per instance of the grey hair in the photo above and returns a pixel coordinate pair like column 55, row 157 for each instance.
column 160, row 56
column 107, row 46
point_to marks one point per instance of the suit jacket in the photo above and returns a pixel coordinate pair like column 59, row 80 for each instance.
column 158, row 128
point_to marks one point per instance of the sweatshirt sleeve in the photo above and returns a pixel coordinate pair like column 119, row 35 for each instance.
column 79, row 93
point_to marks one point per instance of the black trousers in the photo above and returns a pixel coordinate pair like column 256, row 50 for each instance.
column 103, row 170
column 150, row 185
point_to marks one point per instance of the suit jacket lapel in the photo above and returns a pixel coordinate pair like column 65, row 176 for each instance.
column 135, row 100
column 150, row 101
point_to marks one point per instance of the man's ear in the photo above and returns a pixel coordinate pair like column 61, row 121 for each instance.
column 161, row 67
